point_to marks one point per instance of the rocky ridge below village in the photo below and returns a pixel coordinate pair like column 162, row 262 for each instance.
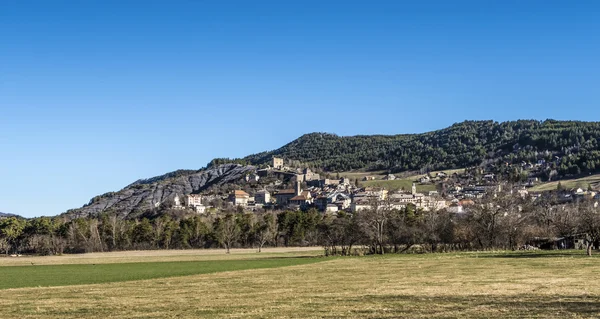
column 144, row 195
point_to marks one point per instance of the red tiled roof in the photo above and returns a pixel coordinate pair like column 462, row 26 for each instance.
column 300, row 197
column 240, row 193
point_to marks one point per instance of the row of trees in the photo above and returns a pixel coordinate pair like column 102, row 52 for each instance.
column 503, row 221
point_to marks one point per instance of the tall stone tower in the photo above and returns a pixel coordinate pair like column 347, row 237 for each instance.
column 298, row 190
column 414, row 189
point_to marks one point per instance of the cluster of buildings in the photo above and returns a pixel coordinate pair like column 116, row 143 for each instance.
column 333, row 195
column 311, row 191
column 339, row 196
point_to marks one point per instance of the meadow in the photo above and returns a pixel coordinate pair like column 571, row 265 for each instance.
column 401, row 183
column 584, row 183
column 561, row 284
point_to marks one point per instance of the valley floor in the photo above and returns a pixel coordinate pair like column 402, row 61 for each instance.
column 462, row 285
column 160, row 256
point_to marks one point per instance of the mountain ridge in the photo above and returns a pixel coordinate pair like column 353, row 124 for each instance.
column 2, row 215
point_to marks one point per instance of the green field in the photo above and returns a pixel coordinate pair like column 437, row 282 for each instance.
column 583, row 182
column 400, row 183
column 556, row 284
column 64, row 275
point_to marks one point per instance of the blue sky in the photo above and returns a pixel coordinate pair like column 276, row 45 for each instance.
column 97, row 94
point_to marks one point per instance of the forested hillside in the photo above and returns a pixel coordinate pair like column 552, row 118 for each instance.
column 460, row 145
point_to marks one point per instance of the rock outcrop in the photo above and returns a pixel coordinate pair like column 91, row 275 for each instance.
column 146, row 194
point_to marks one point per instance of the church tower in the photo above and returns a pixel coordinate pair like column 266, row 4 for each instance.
column 414, row 189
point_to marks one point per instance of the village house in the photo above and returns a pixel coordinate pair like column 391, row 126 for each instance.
column 283, row 196
column 302, row 200
column 331, row 208
column 262, row 197
column 404, row 198
column 389, row 177
column 239, row 198
column 368, row 178
column 277, row 163
column 361, row 204
column 307, row 175
column 252, row 178
column 195, row 201
column 341, row 200
column 380, row 193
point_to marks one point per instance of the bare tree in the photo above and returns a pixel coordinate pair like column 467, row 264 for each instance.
column 373, row 221
column 265, row 229
column 228, row 231
column 589, row 223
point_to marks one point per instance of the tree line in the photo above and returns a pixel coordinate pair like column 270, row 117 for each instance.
column 503, row 221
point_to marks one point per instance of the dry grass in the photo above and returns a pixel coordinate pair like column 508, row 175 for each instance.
column 381, row 174
column 583, row 182
column 159, row 256
column 430, row 286
column 361, row 174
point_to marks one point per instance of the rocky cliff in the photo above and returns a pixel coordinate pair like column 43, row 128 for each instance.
column 145, row 194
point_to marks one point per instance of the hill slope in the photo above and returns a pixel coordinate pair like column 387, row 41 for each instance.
column 460, row 145
column 145, row 194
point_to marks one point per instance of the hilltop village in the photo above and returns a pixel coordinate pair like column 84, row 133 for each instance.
column 280, row 186
column 309, row 190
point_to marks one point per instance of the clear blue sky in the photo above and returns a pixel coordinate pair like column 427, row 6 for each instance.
column 97, row 94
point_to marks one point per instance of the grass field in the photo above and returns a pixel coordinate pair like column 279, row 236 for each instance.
column 398, row 184
column 160, row 256
column 360, row 175
column 80, row 274
column 462, row 285
column 583, row 182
